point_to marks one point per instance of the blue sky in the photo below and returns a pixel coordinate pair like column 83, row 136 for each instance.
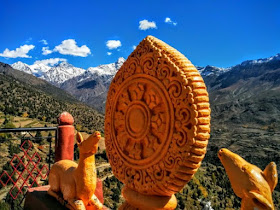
column 209, row 32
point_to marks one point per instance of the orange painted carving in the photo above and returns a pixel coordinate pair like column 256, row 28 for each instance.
column 249, row 182
column 77, row 182
column 136, row 201
column 157, row 120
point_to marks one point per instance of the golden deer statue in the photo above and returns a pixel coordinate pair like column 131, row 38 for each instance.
column 249, row 182
column 77, row 182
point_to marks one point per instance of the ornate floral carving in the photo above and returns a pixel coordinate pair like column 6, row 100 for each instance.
column 140, row 120
column 157, row 120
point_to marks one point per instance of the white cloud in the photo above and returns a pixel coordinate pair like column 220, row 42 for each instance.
column 113, row 44
column 46, row 50
column 20, row 52
column 145, row 25
column 109, row 53
column 44, row 41
column 168, row 20
column 70, row 47
column 51, row 61
column 133, row 47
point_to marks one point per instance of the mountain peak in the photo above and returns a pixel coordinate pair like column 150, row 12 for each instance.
column 261, row 60
column 19, row 63
column 277, row 56
column 22, row 67
column 209, row 70
column 121, row 60
column 107, row 69
column 64, row 64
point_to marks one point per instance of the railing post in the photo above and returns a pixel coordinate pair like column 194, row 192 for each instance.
column 64, row 144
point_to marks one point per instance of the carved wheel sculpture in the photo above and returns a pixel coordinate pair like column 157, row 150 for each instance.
column 157, row 120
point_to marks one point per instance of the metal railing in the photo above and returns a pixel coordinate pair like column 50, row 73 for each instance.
column 29, row 161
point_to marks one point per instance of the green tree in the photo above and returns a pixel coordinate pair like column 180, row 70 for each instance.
column 4, row 206
column 15, row 203
column 214, row 180
column 13, row 149
column 49, row 139
column 38, row 137
column 8, row 123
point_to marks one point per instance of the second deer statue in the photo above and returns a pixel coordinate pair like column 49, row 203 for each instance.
column 77, row 182
column 249, row 182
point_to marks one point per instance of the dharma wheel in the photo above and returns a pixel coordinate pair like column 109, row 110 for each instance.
column 157, row 120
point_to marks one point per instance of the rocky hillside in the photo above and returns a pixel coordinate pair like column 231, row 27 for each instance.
column 39, row 84
column 245, row 104
column 24, row 94
column 247, row 93
column 89, row 86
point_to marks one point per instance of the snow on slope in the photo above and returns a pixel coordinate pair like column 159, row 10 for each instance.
column 55, row 75
column 65, row 71
column 62, row 72
column 210, row 70
column 38, row 69
column 103, row 71
column 22, row 67
column 261, row 60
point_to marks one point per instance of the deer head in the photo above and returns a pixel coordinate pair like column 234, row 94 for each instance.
column 90, row 145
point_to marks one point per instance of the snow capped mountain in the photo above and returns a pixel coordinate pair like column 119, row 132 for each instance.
column 91, row 85
column 107, row 69
column 62, row 72
column 76, row 80
column 104, row 72
column 55, row 75
column 211, row 70
column 261, row 60
column 22, row 67
column 120, row 62
column 38, row 69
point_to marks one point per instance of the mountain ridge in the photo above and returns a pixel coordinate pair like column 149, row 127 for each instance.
column 63, row 71
column 24, row 93
column 90, row 86
column 38, row 83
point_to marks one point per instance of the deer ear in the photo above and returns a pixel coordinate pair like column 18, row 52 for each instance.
column 260, row 201
column 270, row 175
column 79, row 138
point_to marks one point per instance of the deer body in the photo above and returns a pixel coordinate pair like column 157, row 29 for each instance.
column 249, row 182
column 77, row 182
